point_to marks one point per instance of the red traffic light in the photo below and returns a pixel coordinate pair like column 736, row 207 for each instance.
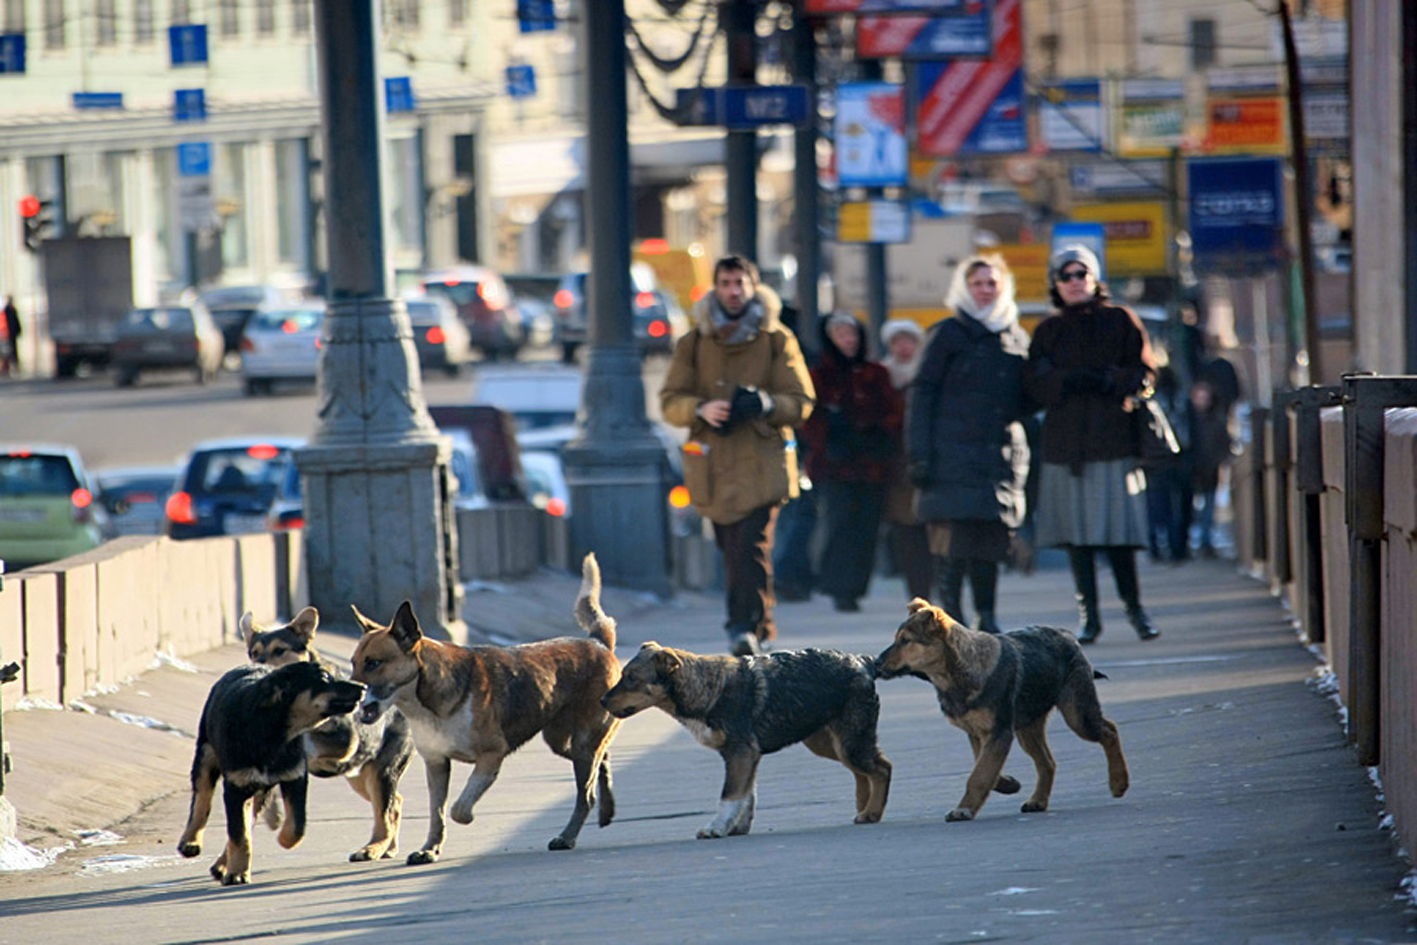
column 29, row 206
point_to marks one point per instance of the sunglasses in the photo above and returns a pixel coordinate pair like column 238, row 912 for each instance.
column 1072, row 275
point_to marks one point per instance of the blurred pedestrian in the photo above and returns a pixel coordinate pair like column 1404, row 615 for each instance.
column 853, row 442
column 737, row 380
column 965, row 445
column 1213, row 449
column 1168, row 481
column 11, row 346
column 909, row 539
column 1089, row 358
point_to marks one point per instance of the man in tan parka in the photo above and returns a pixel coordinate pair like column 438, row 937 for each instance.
column 739, row 383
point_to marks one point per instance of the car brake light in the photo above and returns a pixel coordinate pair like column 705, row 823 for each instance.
column 287, row 523
column 657, row 328
column 289, row 327
column 654, row 247
column 555, row 507
column 450, row 282
column 21, row 454
column 435, row 336
column 246, row 344
column 262, row 451
column 563, row 298
column 179, row 509
column 319, row 343
column 645, row 299
column 679, row 497
column 83, row 500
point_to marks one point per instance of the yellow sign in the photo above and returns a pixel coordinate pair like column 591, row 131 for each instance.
column 1136, row 236
column 1029, row 262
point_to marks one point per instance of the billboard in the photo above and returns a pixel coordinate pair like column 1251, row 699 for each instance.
column 1071, row 116
column 974, row 106
column 925, row 37
column 1135, row 232
column 1237, row 209
column 870, row 135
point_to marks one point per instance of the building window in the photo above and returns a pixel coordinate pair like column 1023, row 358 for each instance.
column 300, row 17
column 265, row 17
column 14, row 16
column 229, row 14
column 405, row 14
column 457, row 12
column 1202, row 43
column 142, row 22
column 181, row 12
column 106, row 25
column 55, row 33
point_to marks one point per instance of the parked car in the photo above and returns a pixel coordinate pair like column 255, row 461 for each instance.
column 546, row 482
column 167, row 338
column 227, row 486
column 47, row 505
column 232, row 307
column 135, row 497
column 282, row 345
column 659, row 320
column 536, row 395
column 533, row 292
column 442, row 340
column 484, row 304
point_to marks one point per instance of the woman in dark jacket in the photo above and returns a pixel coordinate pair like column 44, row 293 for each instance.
column 852, row 455
column 1089, row 362
column 966, row 449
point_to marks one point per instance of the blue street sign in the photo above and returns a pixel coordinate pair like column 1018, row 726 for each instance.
column 1237, row 208
column 521, row 81
column 398, row 95
column 194, row 159
column 12, row 53
column 189, row 105
column 697, row 106
column 536, row 16
column 757, row 105
column 98, row 99
column 188, row 44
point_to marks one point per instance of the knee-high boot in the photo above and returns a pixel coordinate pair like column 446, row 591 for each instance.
column 952, row 587
column 1124, row 569
column 1080, row 559
column 984, row 581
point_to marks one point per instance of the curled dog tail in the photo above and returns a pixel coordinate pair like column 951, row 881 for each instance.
column 592, row 619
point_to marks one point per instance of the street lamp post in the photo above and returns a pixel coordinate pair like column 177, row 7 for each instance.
column 379, row 525
column 616, row 467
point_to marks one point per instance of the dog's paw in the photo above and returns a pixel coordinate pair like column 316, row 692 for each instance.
column 461, row 814
column 365, row 854
column 711, row 832
column 422, row 857
column 561, row 843
column 189, row 850
column 236, row 879
column 959, row 813
column 218, row 872
column 1031, row 806
column 1007, row 785
column 1119, row 786
column 866, row 817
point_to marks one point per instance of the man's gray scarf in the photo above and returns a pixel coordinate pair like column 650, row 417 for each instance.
column 732, row 331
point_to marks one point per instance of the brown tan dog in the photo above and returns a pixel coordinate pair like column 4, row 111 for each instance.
column 997, row 685
column 479, row 704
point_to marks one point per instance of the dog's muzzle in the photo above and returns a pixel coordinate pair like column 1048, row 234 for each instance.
column 371, row 708
column 881, row 671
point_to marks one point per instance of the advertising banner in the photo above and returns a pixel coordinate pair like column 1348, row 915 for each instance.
column 1136, row 235
column 870, row 135
column 1071, row 116
column 924, row 37
column 974, row 106
column 818, row 7
column 1245, row 125
column 1237, row 210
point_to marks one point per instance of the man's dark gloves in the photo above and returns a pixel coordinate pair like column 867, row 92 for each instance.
column 1087, row 381
column 748, row 403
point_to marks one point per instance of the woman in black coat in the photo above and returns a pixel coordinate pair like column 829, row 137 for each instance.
column 964, row 443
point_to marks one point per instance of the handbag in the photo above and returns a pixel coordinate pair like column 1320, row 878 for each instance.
column 1156, row 441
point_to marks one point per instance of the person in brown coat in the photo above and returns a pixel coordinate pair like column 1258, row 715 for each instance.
column 739, row 383
column 1088, row 362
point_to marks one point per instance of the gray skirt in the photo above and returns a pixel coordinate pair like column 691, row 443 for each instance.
column 1106, row 505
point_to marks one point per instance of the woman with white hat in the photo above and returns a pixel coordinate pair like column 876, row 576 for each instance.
column 1090, row 359
column 909, row 538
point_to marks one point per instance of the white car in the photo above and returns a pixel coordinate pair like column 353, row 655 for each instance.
column 282, row 344
column 536, row 394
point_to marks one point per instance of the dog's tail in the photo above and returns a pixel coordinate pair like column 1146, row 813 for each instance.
column 592, row 619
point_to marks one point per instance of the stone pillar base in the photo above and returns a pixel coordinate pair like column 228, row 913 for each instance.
column 380, row 530
column 619, row 511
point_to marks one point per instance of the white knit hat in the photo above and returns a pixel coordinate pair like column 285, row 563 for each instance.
column 1074, row 252
column 898, row 326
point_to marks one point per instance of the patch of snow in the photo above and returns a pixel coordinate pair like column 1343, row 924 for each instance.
column 493, row 587
column 142, row 721
column 124, row 863
column 98, row 838
column 168, row 658
column 15, row 856
column 26, row 703
column 1013, row 891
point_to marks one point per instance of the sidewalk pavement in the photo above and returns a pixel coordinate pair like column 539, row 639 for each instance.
column 1249, row 818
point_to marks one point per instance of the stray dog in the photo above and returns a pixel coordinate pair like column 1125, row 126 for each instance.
column 747, row 707
column 997, row 685
column 479, row 704
column 373, row 757
column 249, row 736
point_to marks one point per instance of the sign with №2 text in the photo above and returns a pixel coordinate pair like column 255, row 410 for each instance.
column 974, row 106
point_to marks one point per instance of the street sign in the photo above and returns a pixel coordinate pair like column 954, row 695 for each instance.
column 521, row 81
column 925, row 37
column 1091, row 235
column 187, row 44
column 873, row 221
column 12, row 53
column 196, row 209
column 398, row 95
column 1237, row 208
column 742, row 108
column 98, row 99
column 189, row 105
column 194, row 159
column 869, row 135
column 967, row 106
column 817, row 7
column 536, row 16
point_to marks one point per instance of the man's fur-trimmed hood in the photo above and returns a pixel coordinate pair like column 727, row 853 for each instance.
column 772, row 311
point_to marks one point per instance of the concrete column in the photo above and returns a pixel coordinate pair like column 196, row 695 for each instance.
column 378, row 523
column 740, row 149
column 616, row 468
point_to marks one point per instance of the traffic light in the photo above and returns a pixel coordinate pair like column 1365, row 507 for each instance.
column 34, row 215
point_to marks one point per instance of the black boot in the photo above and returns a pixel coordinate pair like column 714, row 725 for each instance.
column 984, row 580
column 952, row 587
column 1124, row 569
column 1085, row 581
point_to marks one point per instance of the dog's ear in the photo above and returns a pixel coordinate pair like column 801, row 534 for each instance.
column 304, row 624
column 248, row 628
column 404, row 627
column 917, row 605
column 365, row 624
column 667, row 661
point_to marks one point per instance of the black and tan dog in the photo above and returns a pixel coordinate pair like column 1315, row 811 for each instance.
column 372, row 756
column 479, row 704
column 747, row 707
column 995, row 686
column 250, row 737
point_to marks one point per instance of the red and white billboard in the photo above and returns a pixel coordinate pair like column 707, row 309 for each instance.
column 975, row 106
